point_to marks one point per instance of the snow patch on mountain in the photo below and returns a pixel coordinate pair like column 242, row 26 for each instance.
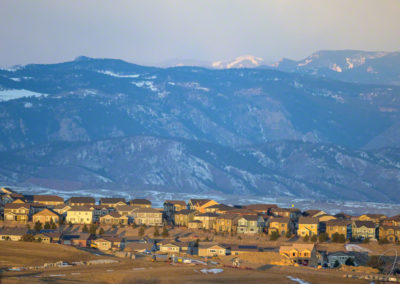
column 8, row 95
column 118, row 75
column 243, row 61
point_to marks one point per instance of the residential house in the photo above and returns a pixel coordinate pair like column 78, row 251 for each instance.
column 17, row 212
column 112, row 202
column 80, row 215
column 314, row 213
column 114, row 218
column 48, row 200
column 62, row 209
column 308, row 226
column 126, row 210
column 339, row 257
column 195, row 224
column 140, row 202
column 207, row 219
column 325, row 218
column 304, row 254
column 46, row 215
column 82, row 240
column 376, row 218
column 100, row 210
column 43, row 238
column 341, row 227
column 172, row 206
column 212, row 250
column 81, row 201
column 227, row 223
column 183, row 217
column 200, row 205
column 243, row 249
column 281, row 225
column 219, row 209
column 392, row 221
column 250, row 224
column 12, row 233
column 363, row 230
column 390, row 233
column 172, row 247
column 54, row 236
column 148, row 217
column 261, row 208
column 109, row 243
column 292, row 213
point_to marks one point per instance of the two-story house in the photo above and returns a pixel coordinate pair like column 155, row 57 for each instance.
column 148, row 217
column 200, row 205
column 250, row 224
column 341, row 227
column 48, row 200
column 140, row 202
column 227, row 223
column 308, row 226
column 46, row 215
column 172, row 206
column 81, row 201
column 207, row 219
column 281, row 225
column 183, row 217
column 17, row 212
column 114, row 218
column 80, row 215
column 363, row 230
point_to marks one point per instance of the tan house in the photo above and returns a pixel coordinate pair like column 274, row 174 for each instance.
column 341, row 227
column 17, row 212
column 100, row 210
column 173, row 248
column 62, row 209
column 207, row 219
column 308, row 226
column 114, row 218
column 243, row 249
column 211, row 250
column 304, row 254
column 201, row 204
column 390, row 233
column 126, row 210
column 392, row 221
column 80, row 215
column 363, row 230
column 261, row 208
column 109, row 243
column 227, row 223
column 81, row 201
column 48, row 200
column 148, row 217
column 281, row 225
column 43, row 238
column 292, row 213
column 46, row 215
column 140, row 202
column 112, row 202
column 376, row 218
column 14, row 234
column 195, row 224
column 183, row 217
column 172, row 206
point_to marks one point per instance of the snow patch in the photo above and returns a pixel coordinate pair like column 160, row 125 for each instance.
column 357, row 248
column 298, row 280
column 8, row 95
column 117, row 75
column 336, row 68
column 212, row 270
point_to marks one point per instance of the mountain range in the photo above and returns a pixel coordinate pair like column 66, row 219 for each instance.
column 296, row 129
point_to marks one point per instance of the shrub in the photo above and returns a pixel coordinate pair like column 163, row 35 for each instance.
column 274, row 236
column 101, row 231
column 288, row 234
column 336, row 264
column 47, row 226
column 314, row 238
column 306, row 238
column 38, row 226
column 93, row 229
column 322, row 237
column 28, row 238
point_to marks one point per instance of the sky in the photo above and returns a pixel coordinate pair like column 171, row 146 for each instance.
column 154, row 32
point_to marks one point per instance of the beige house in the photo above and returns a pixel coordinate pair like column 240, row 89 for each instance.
column 109, row 243
column 46, row 215
column 170, row 248
column 62, row 209
column 195, row 224
column 126, row 210
column 250, row 224
column 304, row 254
column 227, row 223
column 112, row 202
column 281, row 225
column 364, row 230
column 12, row 234
column 80, row 215
column 376, row 218
column 114, row 218
column 183, row 217
column 17, row 212
column 148, row 217
column 207, row 219
column 211, row 250
column 308, row 226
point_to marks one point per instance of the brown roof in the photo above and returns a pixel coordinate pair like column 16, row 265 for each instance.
column 140, row 201
column 17, row 205
column 311, row 212
column 125, row 208
column 179, row 202
column 394, row 218
column 111, row 200
column 338, row 222
column 260, row 207
column 148, row 210
column 47, row 198
column 368, row 224
column 374, row 216
column 308, row 220
column 13, row 231
column 294, row 210
column 80, row 208
column 200, row 202
column 208, row 214
column 280, row 219
column 250, row 217
column 229, row 216
column 184, row 212
column 221, row 207
column 61, row 206
column 46, row 212
column 82, row 199
column 114, row 215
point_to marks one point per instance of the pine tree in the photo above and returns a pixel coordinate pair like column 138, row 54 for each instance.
column 165, row 232
column 101, row 231
column 85, row 229
column 47, row 226
column 38, row 226
column 93, row 229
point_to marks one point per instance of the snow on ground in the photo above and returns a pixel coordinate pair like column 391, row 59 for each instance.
column 357, row 248
column 8, row 95
column 110, row 73
column 298, row 280
column 212, row 270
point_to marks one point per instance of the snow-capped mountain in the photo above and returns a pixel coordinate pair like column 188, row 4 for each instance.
column 105, row 123
column 244, row 61
column 348, row 65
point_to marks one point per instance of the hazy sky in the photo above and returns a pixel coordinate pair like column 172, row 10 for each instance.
column 152, row 32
